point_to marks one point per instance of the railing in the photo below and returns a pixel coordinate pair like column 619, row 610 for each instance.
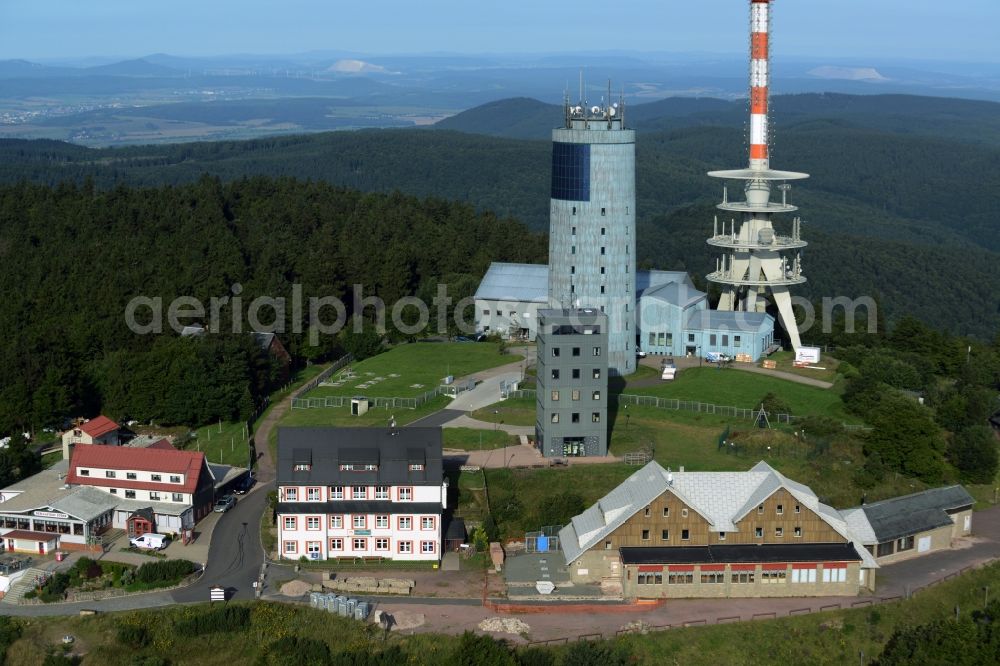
column 387, row 402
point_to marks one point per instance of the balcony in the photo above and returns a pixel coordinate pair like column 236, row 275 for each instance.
column 731, row 279
column 777, row 243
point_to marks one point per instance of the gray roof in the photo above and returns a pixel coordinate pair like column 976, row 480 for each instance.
column 223, row 474
column 649, row 279
column 325, row 449
column 722, row 498
column 715, row 320
column 47, row 489
column 680, row 294
column 515, row 282
column 910, row 514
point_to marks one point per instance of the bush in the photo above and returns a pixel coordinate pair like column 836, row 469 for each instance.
column 588, row 653
column 219, row 619
column 774, row 405
column 973, row 450
column 165, row 571
column 134, row 636
column 477, row 650
column 10, row 631
column 295, row 651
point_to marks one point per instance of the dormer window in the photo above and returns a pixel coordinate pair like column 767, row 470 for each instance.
column 156, row 477
column 416, row 467
column 302, row 467
column 131, row 476
column 109, row 474
column 84, row 472
column 175, row 479
column 302, row 460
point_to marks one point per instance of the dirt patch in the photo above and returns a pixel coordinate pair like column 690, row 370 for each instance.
column 404, row 620
column 296, row 588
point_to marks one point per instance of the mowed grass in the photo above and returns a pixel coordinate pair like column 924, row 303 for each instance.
column 374, row 417
column 225, row 443
column 513, row 411
column 728, row 387
column 412, row 369
column 785, row 361
column 470, row 439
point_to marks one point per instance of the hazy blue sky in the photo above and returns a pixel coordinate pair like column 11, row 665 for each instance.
column 924, row 29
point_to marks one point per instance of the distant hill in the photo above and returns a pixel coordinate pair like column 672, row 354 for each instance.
column 137, row 67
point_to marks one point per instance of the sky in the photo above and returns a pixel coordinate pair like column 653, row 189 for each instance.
column 876, row 29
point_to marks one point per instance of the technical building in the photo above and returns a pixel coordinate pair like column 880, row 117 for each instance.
column 360, row 492
column 592, row 223
column 755, row 258
column 664, row 534
column 572, row 396
column 672, row 316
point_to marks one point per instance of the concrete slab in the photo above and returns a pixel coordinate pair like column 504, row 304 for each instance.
column 526, row 568
column 451, row 562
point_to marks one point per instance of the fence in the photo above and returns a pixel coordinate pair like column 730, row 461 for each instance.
column 693, row 406
column 387, row 402
column 323, row 376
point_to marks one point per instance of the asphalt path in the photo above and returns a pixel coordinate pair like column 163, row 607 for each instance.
column 437, row 419
column 235, row 553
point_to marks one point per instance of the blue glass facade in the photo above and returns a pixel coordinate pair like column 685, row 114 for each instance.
column 571, row 171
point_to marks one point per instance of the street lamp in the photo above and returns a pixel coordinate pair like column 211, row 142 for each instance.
column 627, row 416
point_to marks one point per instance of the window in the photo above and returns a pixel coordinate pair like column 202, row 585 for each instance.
column 574, row 210
column 555, row 396
column 645, row 535
column 774, row 577
column 685, row 535
column 652, row 339
column 337, row 492
column 177, row 497
column 359, row 492
column 646, row 512
column 416, row 468
column 109, row 474
column 131, row 476
column 725, row 340
column 575, row 394
column 154, row 496
column 722, row 536
column 405, row 523
column 801, row 575
column 359, row 543
column 885, row 549
column 381, row 492
column 690, row 337
column 499, row 313
column 299, row 467
column 834, row 574
column 382, row 543
column 604, row 211
column 780, row 509
column 290, row 522
column 576, row 351
column 596, row 395
column 405, row 547
column 575, row 417
column 603, row 231
column 336, row 522
column 602, row 250
column 597, row 351
column 312, row 522
column 684, row 513
column 743, row 577
column 555, row 352
column 336, row 544
column 554, row 418
column 360, row 522
column 680, row 578
column 114, row 491
column 736, row 341
column 758, row 532
column 797, row 532
column 574, row 231
column 602, row 270
column 650, row 579
column 572, row 250
column 779, row 532
column 595, row 417
column 381, row 522
column 760, row 509
column 713, row 578
column 312, row 495
column 798, row 509
column 576, row 373
column 129, row 494
column 555, row 373
column 175, row 479
column 313, row 548
column 905, row 543
column 427, row 547
column 572, row 289
column 291, row 494
column 291, row 547
column 84, row 472
column 666, row 512
column 427, row 523
column 486, row 312
column 607, row 545
column 572, row 270
column 664, row 535
column 712, row 340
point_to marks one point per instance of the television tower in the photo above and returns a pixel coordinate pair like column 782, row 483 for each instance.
column 755, row 258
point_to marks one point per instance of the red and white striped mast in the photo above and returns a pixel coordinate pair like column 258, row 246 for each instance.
column 755, row 258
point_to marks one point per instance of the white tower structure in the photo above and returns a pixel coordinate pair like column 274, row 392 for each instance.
column 755, row 258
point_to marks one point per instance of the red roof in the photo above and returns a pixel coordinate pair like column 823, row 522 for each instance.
column 98, row 426
column 29, row 536
column 162, row 444
column 123, row 458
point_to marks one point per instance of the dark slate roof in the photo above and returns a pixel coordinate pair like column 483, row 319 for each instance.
column 751, row 553
column 919, row 512
column 391, row 450
column 454, row 529
column 360, row 506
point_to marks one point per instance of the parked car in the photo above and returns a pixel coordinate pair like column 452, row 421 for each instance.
column 150, row 541
column 640, row 354
column 224, row 503
column 244, row 484
column 717, row 357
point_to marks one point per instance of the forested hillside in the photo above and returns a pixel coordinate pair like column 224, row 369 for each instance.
column 71, row 258
column 906, row 217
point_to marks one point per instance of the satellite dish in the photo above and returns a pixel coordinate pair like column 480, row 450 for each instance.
column 595, row 110
column 615, row 105
column 612, row 111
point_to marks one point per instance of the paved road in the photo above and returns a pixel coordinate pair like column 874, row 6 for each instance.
column 437, row 419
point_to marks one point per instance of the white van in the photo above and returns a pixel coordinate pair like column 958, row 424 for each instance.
column 150, row 540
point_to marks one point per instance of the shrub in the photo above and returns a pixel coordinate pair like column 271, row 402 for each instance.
column 477, row 650
column 134, row 636
column 165, row 571
column 295, row 651
column 218, row 619
column 10, row 631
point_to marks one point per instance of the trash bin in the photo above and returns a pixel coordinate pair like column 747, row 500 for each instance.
column 60, row 556
column 361, row 611
column 351, row 605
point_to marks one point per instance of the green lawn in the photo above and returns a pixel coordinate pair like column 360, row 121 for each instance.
column 224, row 443
column 514, row 411
column 745, row 389
column 412, row 369
column 470, row 439
column 785, row 361
column 376, row 416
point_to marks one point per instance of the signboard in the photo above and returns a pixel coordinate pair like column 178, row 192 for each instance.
column 218, row 593
column 361, row 532
column 545, row 586
column 807, row 355
column 50, row 514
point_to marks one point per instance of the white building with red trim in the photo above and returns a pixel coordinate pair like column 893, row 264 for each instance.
column 360, row 493
column 98, row 430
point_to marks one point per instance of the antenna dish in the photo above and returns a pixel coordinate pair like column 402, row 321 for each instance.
column 595, row 110
column 612, row 111
column 615, row 105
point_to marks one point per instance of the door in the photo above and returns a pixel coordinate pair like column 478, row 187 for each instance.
column 967, row 524
column 923, row 544
column 41, row 547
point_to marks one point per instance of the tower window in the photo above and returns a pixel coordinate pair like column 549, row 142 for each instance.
column 602, row 270
column 603, row 231
column 574, row 231
column 602, row 288
column 574, row 210
column 604, row 211
column 572, row 250
column 602, row 249
column 572, row 270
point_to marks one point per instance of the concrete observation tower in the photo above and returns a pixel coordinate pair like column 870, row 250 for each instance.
column 755, row 258
column 592, row 222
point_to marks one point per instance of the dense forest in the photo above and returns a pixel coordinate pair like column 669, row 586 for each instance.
column 71, row 258
column 895, row 209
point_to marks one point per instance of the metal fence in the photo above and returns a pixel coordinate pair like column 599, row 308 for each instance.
column 387, row 402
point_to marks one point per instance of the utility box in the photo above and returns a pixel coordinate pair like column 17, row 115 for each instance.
column 359, row 406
